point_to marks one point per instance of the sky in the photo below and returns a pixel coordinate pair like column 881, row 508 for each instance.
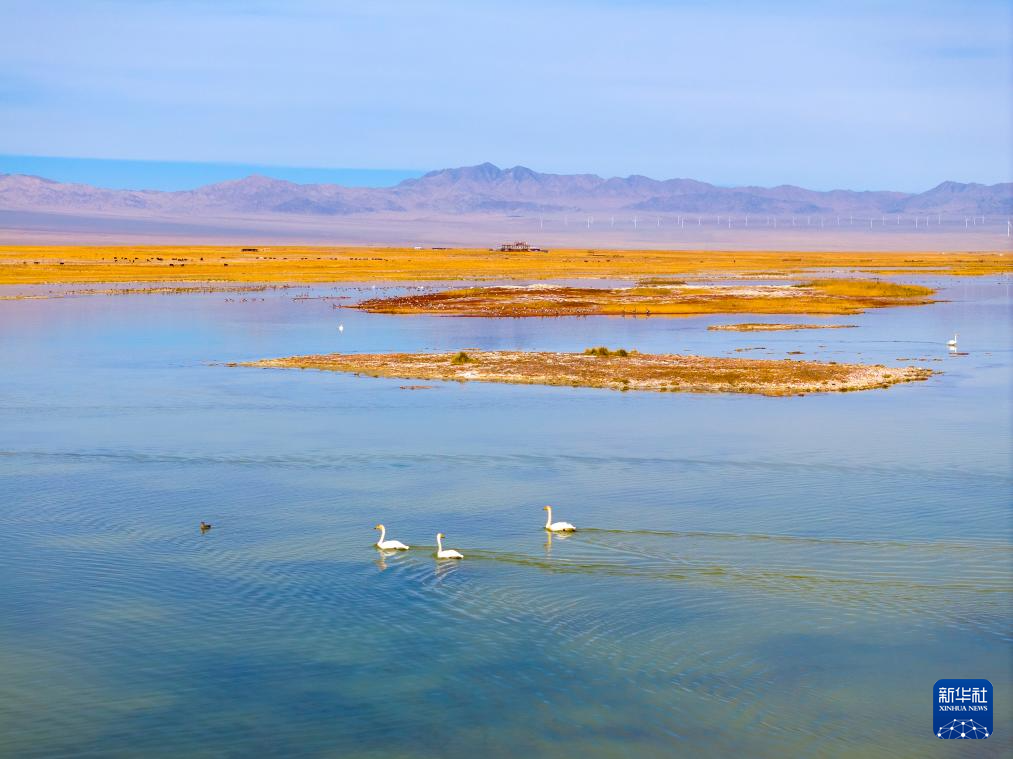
column 861, row 95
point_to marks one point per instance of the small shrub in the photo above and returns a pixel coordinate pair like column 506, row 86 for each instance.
column 604, row 352
column 461, row 358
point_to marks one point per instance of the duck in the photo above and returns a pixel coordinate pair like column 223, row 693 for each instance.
column 953, row 343
column 448, row 553
column 388, row 545
column 556, row 526
column 204, row 526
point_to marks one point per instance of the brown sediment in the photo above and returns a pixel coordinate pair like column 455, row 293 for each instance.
column 634, row 371
column 22, row 265
column 770, row 327
column 824, row 296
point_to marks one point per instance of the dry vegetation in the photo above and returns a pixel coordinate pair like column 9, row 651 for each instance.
column 604, row 368
column 865, row 288
column 23, row 265
column 825, row 296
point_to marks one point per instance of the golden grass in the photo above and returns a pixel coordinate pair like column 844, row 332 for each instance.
column 23, row 265
column 867, row 288
column 635, row 371
column 819, row 297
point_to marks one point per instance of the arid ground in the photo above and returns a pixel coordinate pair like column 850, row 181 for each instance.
column 47, row 264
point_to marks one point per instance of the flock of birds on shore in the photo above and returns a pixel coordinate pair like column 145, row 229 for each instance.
column 441, row 553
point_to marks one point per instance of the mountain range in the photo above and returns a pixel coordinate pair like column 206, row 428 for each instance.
column 488, row 190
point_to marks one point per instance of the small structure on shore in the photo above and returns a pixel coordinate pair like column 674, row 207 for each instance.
column 518, row 247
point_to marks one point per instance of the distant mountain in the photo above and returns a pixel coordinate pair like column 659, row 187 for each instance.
column 487, row 189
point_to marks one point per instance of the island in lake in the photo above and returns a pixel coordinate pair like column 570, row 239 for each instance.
column 614, row 369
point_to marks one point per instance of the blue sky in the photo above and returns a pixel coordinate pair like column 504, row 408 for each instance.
column 874, row 95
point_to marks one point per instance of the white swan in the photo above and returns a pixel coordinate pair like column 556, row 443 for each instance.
column 388, row 545
column 953, row 343
column 556, row 526
column 448, row 553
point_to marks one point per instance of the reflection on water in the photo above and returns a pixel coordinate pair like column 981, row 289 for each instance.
column 752, row 576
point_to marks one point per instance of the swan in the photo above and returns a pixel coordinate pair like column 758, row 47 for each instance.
column 388, row 545
column 953, row 343
column 448, row 553
column 556, row 526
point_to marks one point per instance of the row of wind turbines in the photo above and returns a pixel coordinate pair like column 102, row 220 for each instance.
column 449, row 553
column 812, row 221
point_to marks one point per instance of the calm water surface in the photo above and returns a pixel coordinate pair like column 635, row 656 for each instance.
column 754, row 576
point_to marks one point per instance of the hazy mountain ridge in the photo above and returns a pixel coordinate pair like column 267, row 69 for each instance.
column 487, row 189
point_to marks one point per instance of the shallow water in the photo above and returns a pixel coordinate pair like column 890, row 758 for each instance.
column 754, row 576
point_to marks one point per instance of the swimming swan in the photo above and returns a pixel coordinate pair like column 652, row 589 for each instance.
column 447, row 554
column 953, row 343
column 388, row 545
column 556, row 526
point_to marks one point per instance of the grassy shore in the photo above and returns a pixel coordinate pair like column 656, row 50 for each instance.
column 614, row 369
column 24, row 265
column 824, row 296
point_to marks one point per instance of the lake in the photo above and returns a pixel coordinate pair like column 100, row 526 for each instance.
column 751, row 576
